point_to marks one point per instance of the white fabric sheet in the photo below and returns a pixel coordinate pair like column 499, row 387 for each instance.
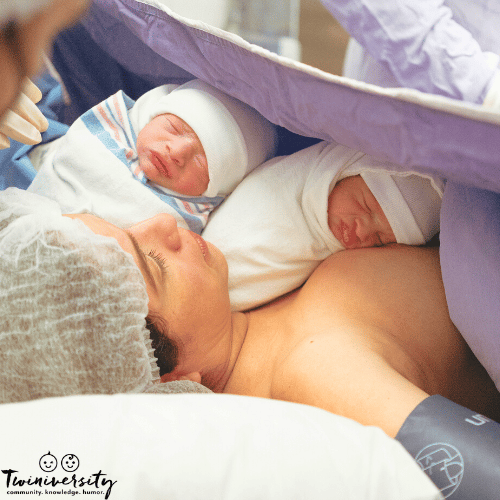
column 207, row 446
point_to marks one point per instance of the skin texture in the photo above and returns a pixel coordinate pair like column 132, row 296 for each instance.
column 368, row 336
column 23, row 55
column 355, row 216
column 171, row 154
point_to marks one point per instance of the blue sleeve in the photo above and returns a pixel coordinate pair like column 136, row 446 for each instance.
column 16, row 169
column 421, row 44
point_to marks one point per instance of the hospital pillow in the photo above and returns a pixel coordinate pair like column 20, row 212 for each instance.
column 206, row 446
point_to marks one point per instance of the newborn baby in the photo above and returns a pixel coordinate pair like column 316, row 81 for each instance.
column 292, row 212
column 190, row 145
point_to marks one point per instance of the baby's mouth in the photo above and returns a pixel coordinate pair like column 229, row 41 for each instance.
column 161, row 166
column 349, row 238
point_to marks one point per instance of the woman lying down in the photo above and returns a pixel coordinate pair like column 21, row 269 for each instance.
column 368, row 336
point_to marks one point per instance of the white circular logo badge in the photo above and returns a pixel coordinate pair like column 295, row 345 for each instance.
column 444, row 464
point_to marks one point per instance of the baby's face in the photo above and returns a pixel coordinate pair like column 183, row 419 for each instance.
column 171, row 155
column 355, row 216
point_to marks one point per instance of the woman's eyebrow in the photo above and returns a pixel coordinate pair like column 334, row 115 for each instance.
column 143, row 264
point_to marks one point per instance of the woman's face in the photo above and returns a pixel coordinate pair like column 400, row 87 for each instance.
column 22, row 56
column 186, row 277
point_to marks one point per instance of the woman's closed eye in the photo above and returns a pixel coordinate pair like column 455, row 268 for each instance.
column 160, row 261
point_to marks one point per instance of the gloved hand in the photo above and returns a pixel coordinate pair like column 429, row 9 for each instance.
column 24, row 121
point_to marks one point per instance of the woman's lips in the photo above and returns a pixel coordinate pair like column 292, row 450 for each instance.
column 203, row 245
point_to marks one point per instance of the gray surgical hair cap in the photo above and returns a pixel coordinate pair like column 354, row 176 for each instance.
column 72, row 307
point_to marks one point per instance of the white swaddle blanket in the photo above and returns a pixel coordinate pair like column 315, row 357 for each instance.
column 273, row 229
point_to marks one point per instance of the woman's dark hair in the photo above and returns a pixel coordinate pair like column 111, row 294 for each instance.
column 166, row 350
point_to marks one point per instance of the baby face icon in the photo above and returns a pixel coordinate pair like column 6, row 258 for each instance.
column 70, row 462
column 48, row 462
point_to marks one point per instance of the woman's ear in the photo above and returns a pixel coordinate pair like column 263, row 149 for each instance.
column 171, row 377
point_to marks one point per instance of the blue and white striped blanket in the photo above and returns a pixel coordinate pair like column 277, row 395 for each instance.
column 94, row 168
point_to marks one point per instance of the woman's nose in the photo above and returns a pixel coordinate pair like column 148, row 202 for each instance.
column 159, row 230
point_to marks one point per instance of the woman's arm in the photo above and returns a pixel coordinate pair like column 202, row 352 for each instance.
column 348, row 378
column 378, row 338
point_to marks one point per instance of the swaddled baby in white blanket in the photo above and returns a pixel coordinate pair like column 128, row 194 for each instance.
column 292, row 212
column 188, row 145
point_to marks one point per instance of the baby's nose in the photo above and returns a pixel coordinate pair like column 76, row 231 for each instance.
column 181, row 149
column 366, row 232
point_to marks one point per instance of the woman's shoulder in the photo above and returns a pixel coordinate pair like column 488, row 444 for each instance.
column 369, row 269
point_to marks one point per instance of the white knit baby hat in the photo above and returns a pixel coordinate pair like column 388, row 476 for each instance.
column 411, row 203
column 235, row 137
column 72, row 307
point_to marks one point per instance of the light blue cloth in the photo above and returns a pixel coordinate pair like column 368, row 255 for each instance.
column 16, row 169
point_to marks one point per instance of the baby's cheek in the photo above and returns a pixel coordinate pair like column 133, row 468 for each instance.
column 191, row 186
column 201, row 178
column 329, row 212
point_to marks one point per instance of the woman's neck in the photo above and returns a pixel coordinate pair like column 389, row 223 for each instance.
column 259, row 338
column 218, row 378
